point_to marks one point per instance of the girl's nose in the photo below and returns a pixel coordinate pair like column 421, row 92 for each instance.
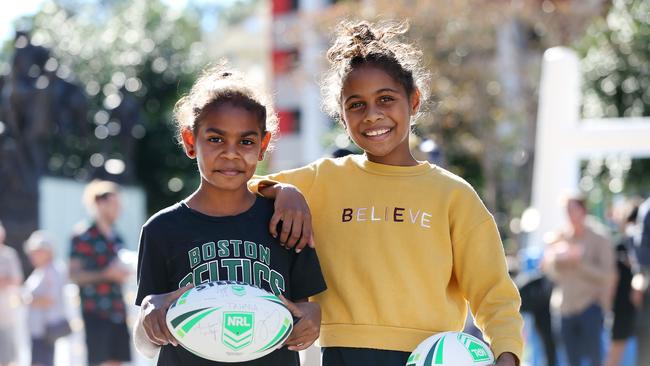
column 374, row 114
column 230, row 151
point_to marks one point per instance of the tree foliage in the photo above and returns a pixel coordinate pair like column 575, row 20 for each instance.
column 616, row 74
column 141, row 53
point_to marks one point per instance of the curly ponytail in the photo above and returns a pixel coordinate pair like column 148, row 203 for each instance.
column 360, row 43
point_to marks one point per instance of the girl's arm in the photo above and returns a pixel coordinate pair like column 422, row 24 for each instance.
column 290, row 189
column 142, row 343
column 150, row 331
column 307, row 330
column 291, row 216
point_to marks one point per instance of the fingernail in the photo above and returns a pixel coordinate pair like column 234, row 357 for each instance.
column 298, row 250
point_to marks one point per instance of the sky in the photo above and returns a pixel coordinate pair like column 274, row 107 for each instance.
column 9, row 11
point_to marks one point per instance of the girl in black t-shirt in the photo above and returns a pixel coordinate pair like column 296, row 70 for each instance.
column 226, row 126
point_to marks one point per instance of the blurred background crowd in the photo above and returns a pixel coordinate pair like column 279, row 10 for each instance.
column 542, row 105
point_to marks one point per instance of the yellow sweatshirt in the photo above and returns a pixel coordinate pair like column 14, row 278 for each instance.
column 402, row 249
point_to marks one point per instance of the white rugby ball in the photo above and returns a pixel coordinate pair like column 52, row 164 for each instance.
column 451, row 349
column 229, row 321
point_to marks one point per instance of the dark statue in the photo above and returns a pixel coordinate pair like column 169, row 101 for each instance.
column 41, row 113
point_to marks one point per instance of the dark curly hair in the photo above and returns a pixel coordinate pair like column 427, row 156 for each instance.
column 359, row 43
column 219, row 85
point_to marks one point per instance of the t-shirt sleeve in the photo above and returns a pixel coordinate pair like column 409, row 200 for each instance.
column 152, row 269
column 306, row 276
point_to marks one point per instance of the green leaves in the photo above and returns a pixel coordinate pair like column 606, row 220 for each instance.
column 133, row 60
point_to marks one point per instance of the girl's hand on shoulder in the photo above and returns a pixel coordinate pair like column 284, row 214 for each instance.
column 292, row 211
column 307, row 330
column 154, row 312
column 507, row 359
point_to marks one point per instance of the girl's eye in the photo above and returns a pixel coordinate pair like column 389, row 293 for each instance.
column 247, row 142
column 215, row 139
column 386, row 99
column 355, row 105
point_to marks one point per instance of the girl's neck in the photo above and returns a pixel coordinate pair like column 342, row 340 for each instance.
column 209, row 201
column 394, row 159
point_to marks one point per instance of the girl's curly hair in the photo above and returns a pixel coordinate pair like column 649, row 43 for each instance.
column 360, row 43
column 219, row 85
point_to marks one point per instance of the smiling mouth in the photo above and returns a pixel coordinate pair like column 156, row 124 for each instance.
column 376, row 132
column 229, row 172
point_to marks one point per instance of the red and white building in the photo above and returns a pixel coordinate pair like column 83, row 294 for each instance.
column 297, row 63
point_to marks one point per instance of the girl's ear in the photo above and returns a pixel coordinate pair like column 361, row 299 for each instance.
column 415, row 101
column 188, row 142
column 265, row 145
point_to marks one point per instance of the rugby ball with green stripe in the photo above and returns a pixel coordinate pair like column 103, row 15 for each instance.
column 229, row 321
column 451, row 349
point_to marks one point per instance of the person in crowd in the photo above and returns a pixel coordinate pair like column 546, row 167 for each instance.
column 226, row 124
column 95, row 267
column 11, row 277
column 535, row 289
column 405, row 245
column 580, row 261
column 642, row 248
column 626, row 299
column 44, row 297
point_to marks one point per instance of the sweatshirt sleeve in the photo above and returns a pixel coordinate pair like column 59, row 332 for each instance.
column 481, row 271
column 303, row 178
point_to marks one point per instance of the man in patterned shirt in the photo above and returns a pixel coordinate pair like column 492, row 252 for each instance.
column 95, row 268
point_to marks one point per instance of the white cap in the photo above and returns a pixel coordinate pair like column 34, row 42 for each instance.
column 38, row 240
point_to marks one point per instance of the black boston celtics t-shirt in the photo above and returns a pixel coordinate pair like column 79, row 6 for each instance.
column 179, row 246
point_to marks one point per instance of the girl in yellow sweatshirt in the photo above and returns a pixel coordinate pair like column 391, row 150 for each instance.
column 403, row 244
